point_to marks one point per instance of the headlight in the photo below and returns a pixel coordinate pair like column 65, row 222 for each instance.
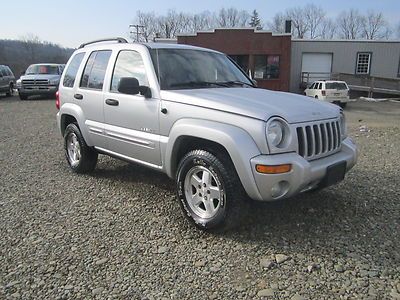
column 54, row 81
column 18, row 83
column 343, row 127
column 277, row 132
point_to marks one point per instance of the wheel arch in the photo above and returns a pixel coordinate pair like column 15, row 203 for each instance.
column 187, row 135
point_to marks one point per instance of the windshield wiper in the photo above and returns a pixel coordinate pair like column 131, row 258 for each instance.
column 228, row 83
column 198, row 84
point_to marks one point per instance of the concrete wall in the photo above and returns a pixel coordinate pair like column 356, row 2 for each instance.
column 384, row 61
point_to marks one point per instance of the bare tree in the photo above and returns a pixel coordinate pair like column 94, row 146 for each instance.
column 398, row 31
column 202, row 21
column 300, row 26
column 232, row 17
column 314, row 17
column 328, row 29
column 32, row 43
column 350, row 24
column 148, row 22
column 277, row 24
column 375, row 27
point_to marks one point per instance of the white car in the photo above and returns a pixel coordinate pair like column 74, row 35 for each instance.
column 329, row 90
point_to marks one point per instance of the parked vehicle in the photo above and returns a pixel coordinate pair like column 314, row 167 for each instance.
column 329, row 90
column 7, row 80
column 193, row 114
column 40, row 79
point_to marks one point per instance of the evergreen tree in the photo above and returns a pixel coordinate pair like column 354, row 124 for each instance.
column 255, row 20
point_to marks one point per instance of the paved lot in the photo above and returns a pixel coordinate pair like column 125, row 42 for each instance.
column 119, row 233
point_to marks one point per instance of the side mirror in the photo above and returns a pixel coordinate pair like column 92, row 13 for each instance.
column 1, row 75
column 130, row 86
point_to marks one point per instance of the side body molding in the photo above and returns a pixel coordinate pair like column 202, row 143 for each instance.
column 239, row 144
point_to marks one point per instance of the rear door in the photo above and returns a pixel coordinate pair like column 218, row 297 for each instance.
column 132, row 121
column 89, row 94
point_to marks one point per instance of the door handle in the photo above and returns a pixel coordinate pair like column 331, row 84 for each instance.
column 112, row 102
column 78, row 96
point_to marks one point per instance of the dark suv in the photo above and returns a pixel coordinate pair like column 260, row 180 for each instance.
column 7, row 80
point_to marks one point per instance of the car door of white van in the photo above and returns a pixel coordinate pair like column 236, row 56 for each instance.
column 132, row 121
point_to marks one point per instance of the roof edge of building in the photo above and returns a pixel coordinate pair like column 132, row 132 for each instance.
column 234, row 28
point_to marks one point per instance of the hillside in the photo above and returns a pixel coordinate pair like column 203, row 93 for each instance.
column 18, row 55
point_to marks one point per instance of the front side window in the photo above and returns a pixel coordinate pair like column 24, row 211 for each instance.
column 129, row 64
column 242, row 61
column 266, row 66
column 363, row 63
column 194, row 69
column 3, row 71
column 70, row 73
column 95, row 70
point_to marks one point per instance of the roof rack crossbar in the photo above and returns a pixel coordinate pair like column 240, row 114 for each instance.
column 117, row 39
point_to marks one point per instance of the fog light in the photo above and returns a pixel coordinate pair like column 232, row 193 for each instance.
column 279, row 189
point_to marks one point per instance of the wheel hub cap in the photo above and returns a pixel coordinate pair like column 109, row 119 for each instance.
column 203, row 192
column 73, row 149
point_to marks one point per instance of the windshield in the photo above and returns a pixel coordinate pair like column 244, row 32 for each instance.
column 336, row 86
column 194, row 69
column 42, row 69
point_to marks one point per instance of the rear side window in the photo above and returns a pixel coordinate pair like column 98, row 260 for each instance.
column 95, row 70
column 70, row 73
column 336, row 86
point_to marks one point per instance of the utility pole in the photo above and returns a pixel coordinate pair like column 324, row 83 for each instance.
column 137, row 26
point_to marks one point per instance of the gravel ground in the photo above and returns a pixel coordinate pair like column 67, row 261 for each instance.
column 119, row 233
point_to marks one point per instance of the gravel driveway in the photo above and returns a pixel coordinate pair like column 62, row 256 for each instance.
column 119, row 233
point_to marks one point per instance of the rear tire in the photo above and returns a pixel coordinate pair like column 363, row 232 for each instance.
column 80, row 157
column 210, row 192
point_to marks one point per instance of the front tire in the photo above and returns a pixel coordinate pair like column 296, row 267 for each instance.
column 10, row 91
column 80, row 157
column 210, row 192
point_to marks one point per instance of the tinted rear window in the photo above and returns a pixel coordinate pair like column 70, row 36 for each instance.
column 95, row 70
column 70, row 73
column 336, row 86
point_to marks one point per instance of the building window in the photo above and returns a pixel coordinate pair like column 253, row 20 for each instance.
column 363, row 63
column 266, row 66
column 242, row 61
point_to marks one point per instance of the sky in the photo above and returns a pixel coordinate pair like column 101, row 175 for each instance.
column 72, row 22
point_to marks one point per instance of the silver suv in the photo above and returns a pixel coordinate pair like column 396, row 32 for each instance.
column 193, row 114
column 40, row 79
column 7, row 80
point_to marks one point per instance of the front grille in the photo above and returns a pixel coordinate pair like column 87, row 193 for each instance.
column 35, row 82
column 318, row 139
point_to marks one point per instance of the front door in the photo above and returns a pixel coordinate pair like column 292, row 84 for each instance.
column 131, row 121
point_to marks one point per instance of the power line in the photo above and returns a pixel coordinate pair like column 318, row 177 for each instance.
column 137, row 26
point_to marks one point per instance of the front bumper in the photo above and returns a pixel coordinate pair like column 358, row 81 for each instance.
column 38, row 90
column 304, row 175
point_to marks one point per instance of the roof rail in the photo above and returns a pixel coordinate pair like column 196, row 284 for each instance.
column 117, row 39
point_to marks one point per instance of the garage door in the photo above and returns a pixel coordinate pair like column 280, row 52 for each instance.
column 317, row 65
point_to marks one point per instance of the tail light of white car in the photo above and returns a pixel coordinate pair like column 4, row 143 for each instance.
column 58, row 100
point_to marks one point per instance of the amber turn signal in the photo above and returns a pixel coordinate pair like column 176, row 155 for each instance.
column 279, row 169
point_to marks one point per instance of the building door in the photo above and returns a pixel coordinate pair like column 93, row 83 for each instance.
column 316, row 66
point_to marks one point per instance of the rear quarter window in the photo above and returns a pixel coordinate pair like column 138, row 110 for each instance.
column 70, row 73
column 336, row 86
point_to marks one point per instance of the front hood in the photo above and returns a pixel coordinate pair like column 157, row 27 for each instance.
column 40, row 76
column 256, row 103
